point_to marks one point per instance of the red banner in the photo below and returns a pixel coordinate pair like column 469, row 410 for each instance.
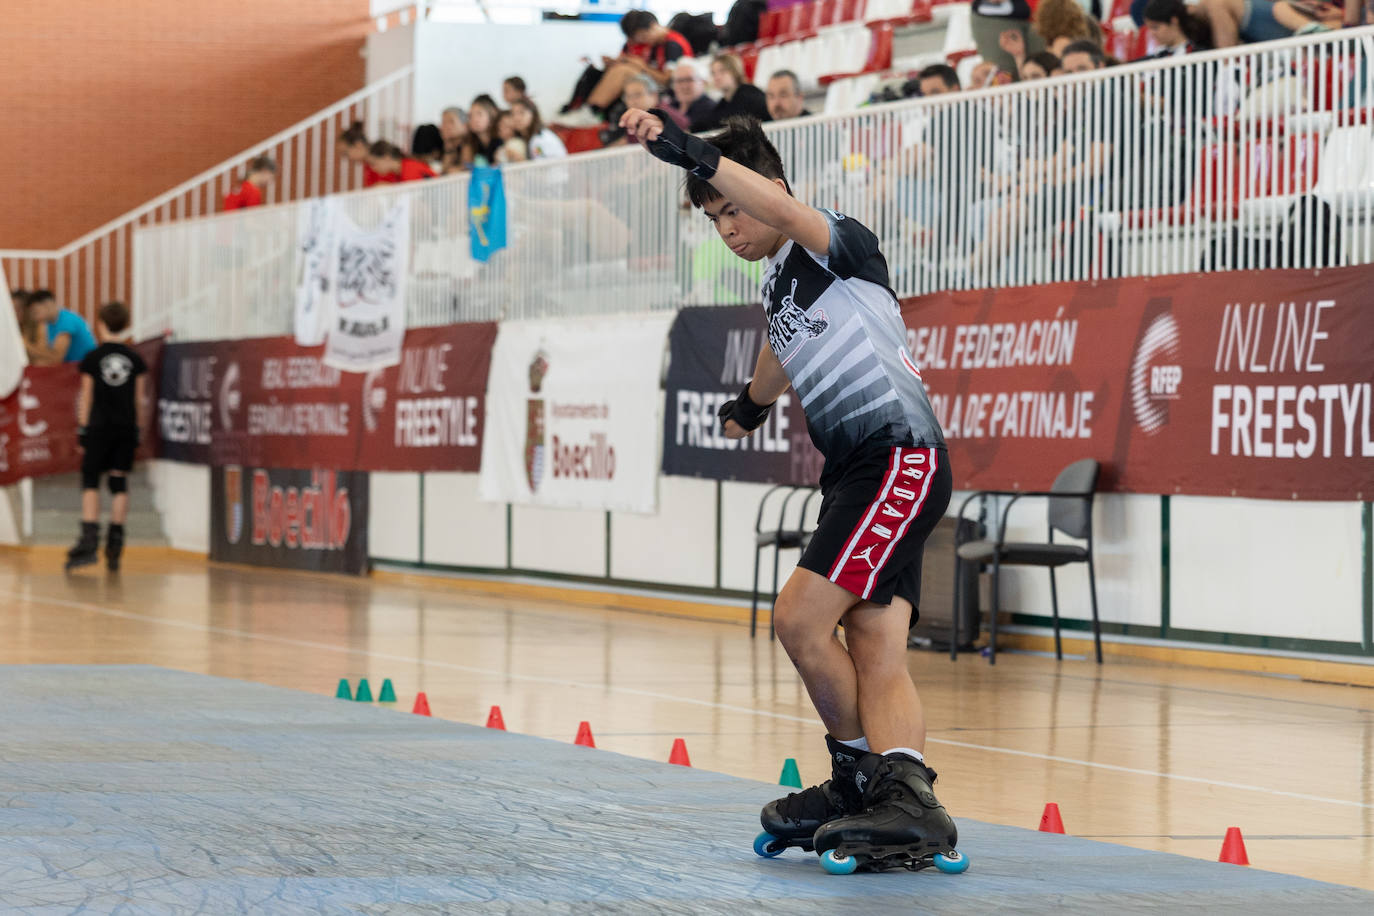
column 1227, row 384
column 272, row 403
column 38, row 421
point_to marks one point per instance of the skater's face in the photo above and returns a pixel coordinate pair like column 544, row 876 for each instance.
column 746, row 237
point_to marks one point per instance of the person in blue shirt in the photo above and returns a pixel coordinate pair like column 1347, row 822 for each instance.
column 68, row 339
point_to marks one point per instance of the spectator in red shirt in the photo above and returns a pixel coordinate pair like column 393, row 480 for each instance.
column 262, row 171
column 387, row 159
column 354, row 148
column 651, row 49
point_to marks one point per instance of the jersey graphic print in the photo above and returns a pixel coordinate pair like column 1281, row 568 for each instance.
column 835, row 326
column 115, row 369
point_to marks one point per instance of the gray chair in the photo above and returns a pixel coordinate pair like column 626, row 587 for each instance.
column 1071, row 512
column 780, row 538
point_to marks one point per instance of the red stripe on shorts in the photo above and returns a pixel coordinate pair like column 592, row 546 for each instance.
column 887, row 519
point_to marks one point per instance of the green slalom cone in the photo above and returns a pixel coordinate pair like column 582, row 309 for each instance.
column 790, row 776
column 344, row 692
column 364, row 692
column 388, row 694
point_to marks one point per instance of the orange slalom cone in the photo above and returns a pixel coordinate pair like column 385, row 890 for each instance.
column 421, row 704
column 678, row 754
column 584, row 735
column 1233, row 848
column 1050, row 821
column 494, row 719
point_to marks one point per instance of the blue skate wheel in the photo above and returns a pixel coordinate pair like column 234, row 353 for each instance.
column 838, row 864
column 951, row 863
column 767, row 845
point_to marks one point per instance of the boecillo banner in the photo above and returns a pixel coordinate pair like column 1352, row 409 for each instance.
column 712, row 352
column 1228, row 384
column 272, row 403
column 38, row 421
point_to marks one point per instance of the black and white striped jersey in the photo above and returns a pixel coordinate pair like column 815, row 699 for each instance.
column 835, row 325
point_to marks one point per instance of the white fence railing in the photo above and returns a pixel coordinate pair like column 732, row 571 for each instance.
column 97, row 267
column 1249, row 158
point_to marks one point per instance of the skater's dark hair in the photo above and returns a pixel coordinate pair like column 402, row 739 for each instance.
column 742, row 141
column 636, row 21
column 115, row 317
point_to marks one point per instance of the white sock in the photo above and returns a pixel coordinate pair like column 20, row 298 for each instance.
column 910, row 752
column 859, row 744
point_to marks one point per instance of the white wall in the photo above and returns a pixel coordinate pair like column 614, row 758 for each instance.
column 455, row 63
column 389, row 51
column 181, row 493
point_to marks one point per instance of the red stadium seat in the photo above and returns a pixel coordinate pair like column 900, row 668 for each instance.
column 829, row 13
column 749, row 57
column 879, row 55
column 806, row 20
column 1207, row 201
column 852, row 10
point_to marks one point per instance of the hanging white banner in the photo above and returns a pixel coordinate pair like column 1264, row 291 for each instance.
column 13, row 356
column 574, row 413
column 315, row 305
column 369, row 286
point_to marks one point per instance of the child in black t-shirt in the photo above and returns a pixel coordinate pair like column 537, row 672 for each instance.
column 112, row 388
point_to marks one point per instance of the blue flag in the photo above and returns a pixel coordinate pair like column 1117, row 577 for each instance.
column 486, row 212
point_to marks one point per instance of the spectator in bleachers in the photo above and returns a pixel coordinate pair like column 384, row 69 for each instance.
column 649, row 49
column 389, row 159
column 784, row 96
column 938, row 79
column 1237, row 21
column 427, row 145
column 1083, row 56
column 989, row 19
column 641, row 92
column 28, row 327
column 262, row 171
column 542, row 142
column 453, row 128
column 737, row 97
column 481, row 143
column 61, row 337
column 1175, row 29
column 689, row 88
column 1062, row 22
column 986, row 75
column 742, row 22
column 513, row 147
column 512, row 89
column 1040, row 66
column 354, row 147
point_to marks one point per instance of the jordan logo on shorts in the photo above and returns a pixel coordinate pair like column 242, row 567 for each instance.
column 867, row 556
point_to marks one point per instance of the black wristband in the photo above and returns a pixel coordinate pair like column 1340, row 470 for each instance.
column 677, row 147
column 744, row 411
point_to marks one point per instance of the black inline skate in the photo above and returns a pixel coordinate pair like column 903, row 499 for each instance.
column 793, row 821
column 903, row 825
column 114, row 546
column 87, row 547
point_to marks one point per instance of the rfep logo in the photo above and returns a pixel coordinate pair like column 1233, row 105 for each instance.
column 1156, row 376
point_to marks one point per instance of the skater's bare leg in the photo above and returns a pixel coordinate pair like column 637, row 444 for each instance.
column 119, row 505
column 889, row 707
column 808, row 609
column 90, row 505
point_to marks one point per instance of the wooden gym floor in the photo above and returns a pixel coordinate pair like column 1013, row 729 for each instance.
column 1145, row 754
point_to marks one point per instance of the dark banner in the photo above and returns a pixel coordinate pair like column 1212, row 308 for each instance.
column 313, row 520
column 1226, row 384
column 712, row 355
column 272, row 403
column 38, row 421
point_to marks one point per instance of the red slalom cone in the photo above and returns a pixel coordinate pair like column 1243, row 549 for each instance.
column 494, row 719
column 584, row 735
column 678, row 754
column 421, row 704
column 1050, row 821
column 1233, row 848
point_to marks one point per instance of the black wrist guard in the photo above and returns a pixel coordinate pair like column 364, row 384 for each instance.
column 744, row 411
column 677, row 147
column 81, row 433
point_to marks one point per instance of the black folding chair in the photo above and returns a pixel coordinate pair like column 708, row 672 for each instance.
column 779, row 538
column 1070, row 511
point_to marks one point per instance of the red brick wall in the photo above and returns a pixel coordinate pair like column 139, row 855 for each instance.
column 107, row 104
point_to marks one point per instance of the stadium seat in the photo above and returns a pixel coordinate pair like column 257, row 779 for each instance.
column 828, row 14
column 1345, row 174
column 959, row 31
column 876, row 54
column 770, row 23
column 1276, row 172
column 852, row 10
column 1217, row 165
column 749, row 57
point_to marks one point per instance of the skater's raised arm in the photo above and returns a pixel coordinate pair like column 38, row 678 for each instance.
column 766, row 200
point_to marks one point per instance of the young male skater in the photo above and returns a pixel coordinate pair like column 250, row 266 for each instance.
column 835, row 336
column 112, row 388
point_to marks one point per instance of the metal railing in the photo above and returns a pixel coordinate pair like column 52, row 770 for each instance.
column 98, row 266
column 1249, row 158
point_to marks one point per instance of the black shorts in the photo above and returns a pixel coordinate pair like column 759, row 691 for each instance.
column 109, row 449
column 874, row 521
